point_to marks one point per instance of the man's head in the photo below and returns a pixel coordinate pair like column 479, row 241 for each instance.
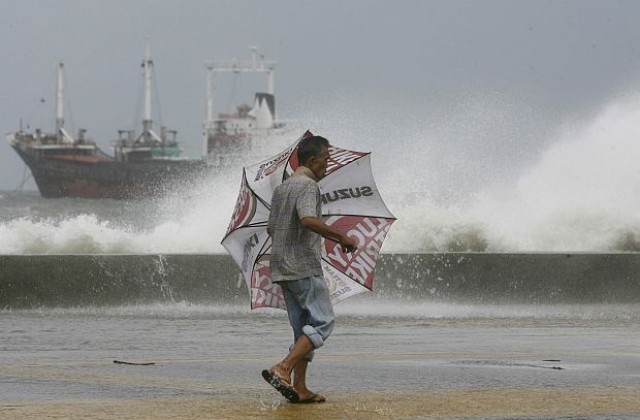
column 313, row 152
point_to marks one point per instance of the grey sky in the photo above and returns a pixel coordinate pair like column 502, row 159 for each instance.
column 375, row 66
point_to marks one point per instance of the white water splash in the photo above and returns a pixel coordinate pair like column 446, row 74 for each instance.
column 579, row 195
column 469, row 183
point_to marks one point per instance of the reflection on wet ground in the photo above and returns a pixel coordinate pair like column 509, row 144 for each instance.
column 383, row 362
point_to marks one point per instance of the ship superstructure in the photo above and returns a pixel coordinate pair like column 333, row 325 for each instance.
column 228, row 136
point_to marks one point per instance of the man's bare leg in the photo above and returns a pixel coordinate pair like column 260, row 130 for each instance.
column 283, row 369
column 300, row 383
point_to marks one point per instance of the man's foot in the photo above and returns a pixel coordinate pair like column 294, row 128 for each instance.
column 281, row 372
column 281, row 385
column 311, row 398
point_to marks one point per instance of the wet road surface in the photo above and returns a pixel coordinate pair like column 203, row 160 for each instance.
column 384, row 361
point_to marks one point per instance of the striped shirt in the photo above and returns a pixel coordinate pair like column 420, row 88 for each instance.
column 296, row 251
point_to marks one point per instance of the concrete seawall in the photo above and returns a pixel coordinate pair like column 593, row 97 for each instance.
column 28, row 281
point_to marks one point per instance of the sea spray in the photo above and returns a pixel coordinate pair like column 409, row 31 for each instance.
column 580, row 195
column 463, row 177
column 470, row 176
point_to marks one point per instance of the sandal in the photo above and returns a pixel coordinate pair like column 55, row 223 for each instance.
column 281, row 386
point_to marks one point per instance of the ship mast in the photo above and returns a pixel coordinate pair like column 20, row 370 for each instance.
column 147, row 66
column 62, row 135
column 59, row 98
column 255, row 65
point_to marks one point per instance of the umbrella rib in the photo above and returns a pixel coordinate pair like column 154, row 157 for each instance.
column 252, row 225
column 329, row 262
column 265, row 247
column 356, row 215
column 349, row 163
column 262, row 200
column 256, row 195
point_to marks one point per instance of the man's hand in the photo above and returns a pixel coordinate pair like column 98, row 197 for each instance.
column 319, row 227
column 348, row 244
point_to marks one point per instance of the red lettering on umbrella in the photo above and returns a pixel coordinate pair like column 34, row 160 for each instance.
column 340, row 157
column 245, row 208
column 369, row 234
column 263, row 292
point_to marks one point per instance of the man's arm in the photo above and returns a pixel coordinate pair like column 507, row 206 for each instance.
column 318, row 226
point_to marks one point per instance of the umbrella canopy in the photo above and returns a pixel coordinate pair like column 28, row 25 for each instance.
column 351, row 203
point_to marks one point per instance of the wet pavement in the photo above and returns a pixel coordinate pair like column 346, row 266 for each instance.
column 384, row 361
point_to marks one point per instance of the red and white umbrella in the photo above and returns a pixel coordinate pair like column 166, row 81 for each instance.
column 351, row 203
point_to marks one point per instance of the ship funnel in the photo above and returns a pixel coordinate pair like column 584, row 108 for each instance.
column 264, row 110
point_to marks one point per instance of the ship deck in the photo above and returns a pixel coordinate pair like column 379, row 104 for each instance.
column 81, row 158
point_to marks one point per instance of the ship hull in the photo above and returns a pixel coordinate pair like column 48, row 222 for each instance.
column 86, row 178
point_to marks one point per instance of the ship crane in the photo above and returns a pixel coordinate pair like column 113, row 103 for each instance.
column 257, row 64
column 147, row 145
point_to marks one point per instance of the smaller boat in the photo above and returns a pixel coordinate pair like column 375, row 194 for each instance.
column 229, row 136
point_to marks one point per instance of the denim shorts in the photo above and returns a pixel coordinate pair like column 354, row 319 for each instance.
column 309, row 308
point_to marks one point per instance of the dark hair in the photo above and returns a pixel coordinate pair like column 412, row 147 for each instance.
column 311, row 147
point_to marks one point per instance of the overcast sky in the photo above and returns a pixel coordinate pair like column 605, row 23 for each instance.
column 496, row 76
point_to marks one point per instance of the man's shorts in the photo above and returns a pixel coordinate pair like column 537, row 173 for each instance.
column 309, row 308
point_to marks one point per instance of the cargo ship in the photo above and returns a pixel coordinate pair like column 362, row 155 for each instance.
column 143, row 165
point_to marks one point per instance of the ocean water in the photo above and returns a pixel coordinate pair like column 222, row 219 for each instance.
column 478, row 184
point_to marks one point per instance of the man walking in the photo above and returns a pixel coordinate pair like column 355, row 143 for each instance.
column 296, row 226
